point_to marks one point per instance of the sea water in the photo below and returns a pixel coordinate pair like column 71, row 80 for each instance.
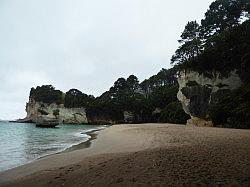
column 21, row 143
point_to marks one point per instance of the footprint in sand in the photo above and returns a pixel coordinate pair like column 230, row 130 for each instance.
column 97, row 174
column 77, row 166
column 70, row 169
column 119, row 180
column 133, row 179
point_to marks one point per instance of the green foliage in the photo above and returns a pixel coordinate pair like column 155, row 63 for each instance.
column 220, row 43
column 233, row 109
column 173, row 113
column 191, row 32
column 166, row 77
column 132, row 83
column 104, row 108
column 46, row 94
column 140, row 99
column 223, row 15
column 162, row 96
column 191, row 44
column 121, row 96
column 226, row 52
column 125, row 95
column 76, row 99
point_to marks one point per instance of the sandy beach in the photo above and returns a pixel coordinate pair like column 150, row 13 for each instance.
column 145, row 155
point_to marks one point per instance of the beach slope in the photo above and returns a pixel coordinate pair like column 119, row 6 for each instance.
column 145, row 155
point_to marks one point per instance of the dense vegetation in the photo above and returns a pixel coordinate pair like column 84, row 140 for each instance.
column 173, row 113
column 47, row 94
column 220, row 43
column 140, row 99
column 76, row 99
column 72, row 99
column 233, row 110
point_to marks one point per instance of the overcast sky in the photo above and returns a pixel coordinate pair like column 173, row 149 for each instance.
column 85, row 44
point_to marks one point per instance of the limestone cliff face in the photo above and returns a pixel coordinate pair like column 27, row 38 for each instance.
column 54, row 111
column 198, row 92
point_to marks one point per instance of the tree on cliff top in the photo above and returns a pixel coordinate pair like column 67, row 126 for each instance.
column 133, row 83
column 221, row 43
column 191, row 44
column 76, row 99
column 223, row 15
column 46, row 94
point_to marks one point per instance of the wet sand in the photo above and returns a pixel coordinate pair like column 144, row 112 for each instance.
column 146, row 155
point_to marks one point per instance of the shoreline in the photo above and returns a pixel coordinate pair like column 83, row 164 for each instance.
column 82, row 145
column 92, row 133
column 145, row 154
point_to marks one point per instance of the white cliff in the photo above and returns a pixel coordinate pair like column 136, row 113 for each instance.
column 54, row 111
column 197, row 92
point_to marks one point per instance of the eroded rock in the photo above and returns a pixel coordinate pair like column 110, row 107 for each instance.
column 54, row 111
column 198, row 92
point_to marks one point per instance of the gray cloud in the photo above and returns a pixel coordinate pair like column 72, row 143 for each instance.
column 85, row 44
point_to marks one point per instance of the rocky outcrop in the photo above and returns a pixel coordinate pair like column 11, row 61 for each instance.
column 198, row 92
column 44, row 121
column 53, row 111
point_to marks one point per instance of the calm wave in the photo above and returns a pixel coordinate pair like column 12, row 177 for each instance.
column 21, row 143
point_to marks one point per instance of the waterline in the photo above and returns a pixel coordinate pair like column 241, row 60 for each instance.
column 22, row 143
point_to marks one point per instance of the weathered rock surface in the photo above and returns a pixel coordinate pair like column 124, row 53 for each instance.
column 198, row 92
column 43, row 121
column 53, row 111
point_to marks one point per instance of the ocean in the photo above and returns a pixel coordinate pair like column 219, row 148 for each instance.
column 21, row 143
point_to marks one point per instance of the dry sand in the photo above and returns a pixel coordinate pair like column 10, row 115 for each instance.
column 145, row 155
